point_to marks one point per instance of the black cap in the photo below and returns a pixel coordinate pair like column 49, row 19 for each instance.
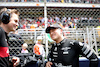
column 54, row 26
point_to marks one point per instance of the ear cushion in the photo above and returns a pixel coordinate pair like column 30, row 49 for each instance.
column 5, row 18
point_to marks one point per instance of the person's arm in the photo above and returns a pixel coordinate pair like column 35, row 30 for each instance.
column 88, row 53
column 49, row 61
column 43, row 52
column 93, row 60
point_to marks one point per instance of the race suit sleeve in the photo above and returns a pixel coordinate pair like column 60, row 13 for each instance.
column 49, row 55
column 88, row 53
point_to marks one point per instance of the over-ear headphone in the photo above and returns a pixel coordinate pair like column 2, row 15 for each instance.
column 5, row 17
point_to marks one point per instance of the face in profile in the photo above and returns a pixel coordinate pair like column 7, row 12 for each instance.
column 13, row 24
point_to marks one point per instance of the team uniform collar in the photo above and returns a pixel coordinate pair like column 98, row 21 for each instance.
column 58, row 44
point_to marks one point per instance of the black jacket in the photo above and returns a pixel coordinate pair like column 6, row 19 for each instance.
column 4, row 51
column 66, row 53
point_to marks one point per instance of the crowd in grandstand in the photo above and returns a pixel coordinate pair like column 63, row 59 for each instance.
column 66, row 1
column 65, row 22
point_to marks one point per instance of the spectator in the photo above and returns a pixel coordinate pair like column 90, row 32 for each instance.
column 38, row 47
column 24, row 48
column 39, row 50
column 32, row 27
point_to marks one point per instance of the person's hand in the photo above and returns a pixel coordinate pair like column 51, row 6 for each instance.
column 15, row 61
column 48, row 64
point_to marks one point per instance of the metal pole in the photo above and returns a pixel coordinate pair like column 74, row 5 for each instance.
column 95, row 41
column 35, row 36
column 88, row 36
column 45, row 16
column 76, row 35
column 84, row 39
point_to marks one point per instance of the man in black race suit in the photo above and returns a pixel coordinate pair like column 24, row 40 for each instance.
column 9, row 19
column 65, row 52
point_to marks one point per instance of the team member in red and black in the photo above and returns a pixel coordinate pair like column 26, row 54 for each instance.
column 65, row 52
column 8, row 22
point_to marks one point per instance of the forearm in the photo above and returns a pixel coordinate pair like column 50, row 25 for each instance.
column 93, row 64
column 89, row 54
column 94, row 61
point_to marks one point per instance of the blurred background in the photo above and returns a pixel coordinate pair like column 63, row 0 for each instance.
column 80, row 20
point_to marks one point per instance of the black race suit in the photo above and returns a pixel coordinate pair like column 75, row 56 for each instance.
column 66, row 54
column 4, row 51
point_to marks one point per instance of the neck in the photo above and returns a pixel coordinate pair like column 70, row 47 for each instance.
column 5, row 28
column 59, row 40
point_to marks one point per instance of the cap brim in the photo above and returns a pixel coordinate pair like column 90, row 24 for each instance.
column 49, row 28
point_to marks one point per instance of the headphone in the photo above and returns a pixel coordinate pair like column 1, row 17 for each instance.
column 5, row 17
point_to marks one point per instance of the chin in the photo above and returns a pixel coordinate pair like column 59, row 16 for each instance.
column 13, row 30
column 54, row 39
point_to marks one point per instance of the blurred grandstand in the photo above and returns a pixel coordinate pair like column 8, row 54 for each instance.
column 62, row 1
column 80, row 20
